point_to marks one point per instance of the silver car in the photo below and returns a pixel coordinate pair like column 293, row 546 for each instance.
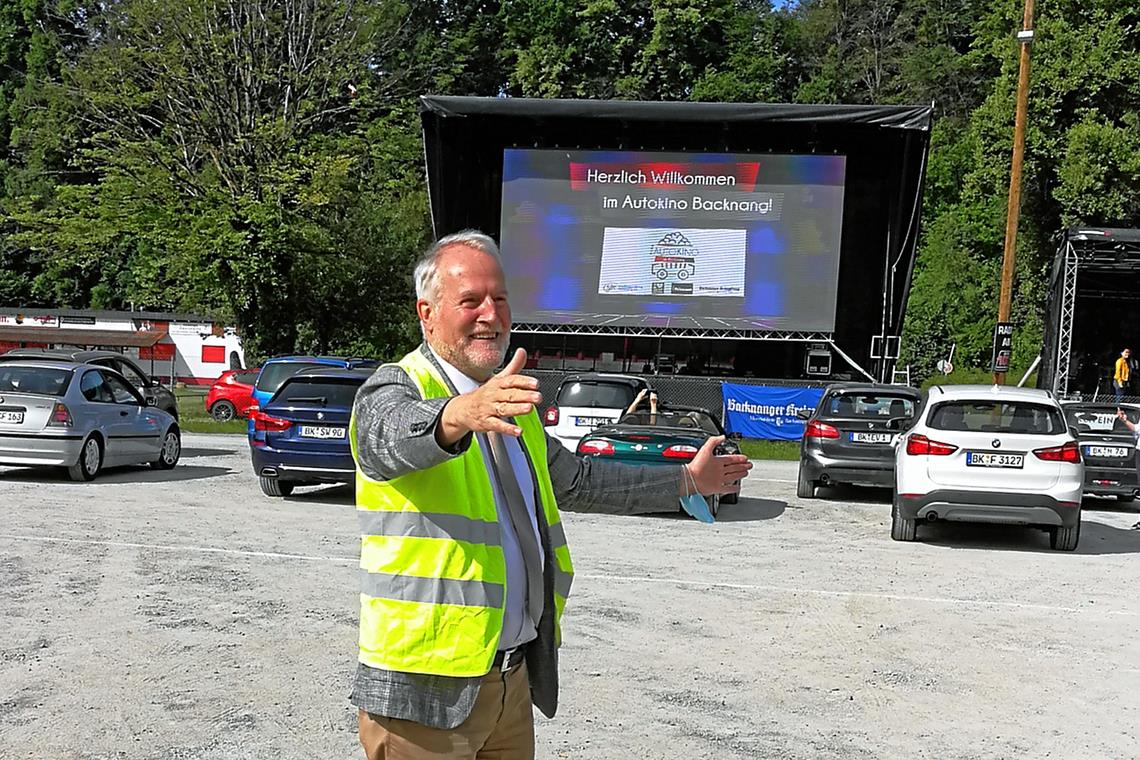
column 82, row 417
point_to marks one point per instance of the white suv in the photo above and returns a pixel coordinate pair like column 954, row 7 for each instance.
column 989, row 454
column 584, row 402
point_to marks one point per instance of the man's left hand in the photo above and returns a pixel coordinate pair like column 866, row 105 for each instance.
column 716, row 473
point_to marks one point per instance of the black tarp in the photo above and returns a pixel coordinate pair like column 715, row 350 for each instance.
column 886, row 149
column 1106, row 308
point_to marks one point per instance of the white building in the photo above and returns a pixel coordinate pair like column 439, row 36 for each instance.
column 172, row 347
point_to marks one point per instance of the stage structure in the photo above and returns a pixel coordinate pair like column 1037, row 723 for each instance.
column 786, row 224
column 1091, row 311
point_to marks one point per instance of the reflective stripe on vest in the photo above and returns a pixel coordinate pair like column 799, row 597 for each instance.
column 432, row 572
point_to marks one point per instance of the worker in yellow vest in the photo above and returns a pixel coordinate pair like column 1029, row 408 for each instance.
column 1121, row 374
column 464, row 563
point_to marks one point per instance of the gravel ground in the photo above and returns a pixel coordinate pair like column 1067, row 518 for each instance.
column 185, row 615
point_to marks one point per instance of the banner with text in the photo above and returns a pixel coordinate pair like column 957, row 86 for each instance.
column 767, row 412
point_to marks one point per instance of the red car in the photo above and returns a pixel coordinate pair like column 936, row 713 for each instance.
column 231, row 394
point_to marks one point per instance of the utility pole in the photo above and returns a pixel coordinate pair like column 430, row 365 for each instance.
column 1025, row 37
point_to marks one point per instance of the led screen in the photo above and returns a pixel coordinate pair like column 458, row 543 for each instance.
column 683, row 240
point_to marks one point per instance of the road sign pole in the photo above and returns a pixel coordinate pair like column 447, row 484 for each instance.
column 1025, row 37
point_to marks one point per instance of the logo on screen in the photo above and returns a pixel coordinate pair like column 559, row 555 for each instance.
column 673, row 259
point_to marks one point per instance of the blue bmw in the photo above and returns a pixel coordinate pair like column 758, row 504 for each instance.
column 300, row 436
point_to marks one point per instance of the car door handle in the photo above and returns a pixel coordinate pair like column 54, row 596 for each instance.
column 122, row 414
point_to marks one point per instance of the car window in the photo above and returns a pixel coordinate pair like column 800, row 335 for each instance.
column 121, row 391
column 94, row 387
column 321, row 393
column 870, row 406
column 273, row 375
column 596, row 394
column 245, row 378
column 1099, row 419
column 130, row 373
column 998, row 417
column 40, row 381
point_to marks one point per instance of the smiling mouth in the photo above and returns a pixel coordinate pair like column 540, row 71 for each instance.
column 486, row 336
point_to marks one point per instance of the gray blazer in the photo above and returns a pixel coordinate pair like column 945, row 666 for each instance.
column 395, row 434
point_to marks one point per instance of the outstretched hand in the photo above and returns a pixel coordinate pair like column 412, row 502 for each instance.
column 717, row 473
column 506, row 394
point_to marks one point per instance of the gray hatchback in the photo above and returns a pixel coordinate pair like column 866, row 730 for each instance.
column 848, row 437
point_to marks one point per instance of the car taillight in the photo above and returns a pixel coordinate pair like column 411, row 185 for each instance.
column 817, row 429
column 919, row 445
column 268, row 424
column 60, row 416
column 597, row 448
column 551, row 416
column 680, row 451
column 1069, row 452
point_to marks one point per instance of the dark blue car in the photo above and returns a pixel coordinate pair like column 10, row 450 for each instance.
column 300, row 436
column 277, row 370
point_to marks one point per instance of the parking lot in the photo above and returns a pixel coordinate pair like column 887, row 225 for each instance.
column 184, row 615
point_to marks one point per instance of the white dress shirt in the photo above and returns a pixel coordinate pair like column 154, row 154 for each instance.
column 518, row 628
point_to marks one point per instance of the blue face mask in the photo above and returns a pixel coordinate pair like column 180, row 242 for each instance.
column 696, row 506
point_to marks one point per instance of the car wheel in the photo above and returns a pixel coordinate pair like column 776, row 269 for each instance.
column 729, row 498
column 902, row 529
column 223, row 411
column 1065, row 539
column 171, row 451
column 805, row 487
column 275, row 487
column 90, row 460
column 714, row 504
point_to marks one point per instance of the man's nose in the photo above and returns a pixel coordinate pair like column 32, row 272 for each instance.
column 487, row 311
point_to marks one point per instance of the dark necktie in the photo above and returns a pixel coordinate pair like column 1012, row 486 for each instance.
column 520, row 518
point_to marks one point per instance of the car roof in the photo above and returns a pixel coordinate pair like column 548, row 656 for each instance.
column 317, row 359
column 330, row 373
column 70, row 353
column 989, row 392
column 50, row 363
column 873, row 388
column 607, row 376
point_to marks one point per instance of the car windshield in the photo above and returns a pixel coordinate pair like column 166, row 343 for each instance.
column 273, row 375
column 869, row 406
column 1099, row 419
column 673, row 419
column 588, row 393
column 41, row 381
column 998, row 417
column 322, row 393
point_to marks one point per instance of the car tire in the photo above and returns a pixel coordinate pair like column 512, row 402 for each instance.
column 171, row 450
column 729, row 498
column 1065, row 539
column 275, row 487
column 902, row 529
column 90, row 460
column 714, row 504
column 805, row 487
column 223, row 411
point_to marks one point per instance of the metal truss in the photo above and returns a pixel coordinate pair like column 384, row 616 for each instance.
column 1065, row 325
column 672, row 332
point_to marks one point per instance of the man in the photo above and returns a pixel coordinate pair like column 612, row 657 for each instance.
column 464, row 563
column 1120, row 375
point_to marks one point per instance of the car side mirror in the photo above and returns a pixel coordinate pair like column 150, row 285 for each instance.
column 804, row 414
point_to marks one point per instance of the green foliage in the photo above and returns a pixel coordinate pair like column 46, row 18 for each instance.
column 261, row 160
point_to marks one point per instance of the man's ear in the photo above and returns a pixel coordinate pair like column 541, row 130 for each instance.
column 423, row 310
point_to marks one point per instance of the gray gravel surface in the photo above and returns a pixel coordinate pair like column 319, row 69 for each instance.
column 184, row 615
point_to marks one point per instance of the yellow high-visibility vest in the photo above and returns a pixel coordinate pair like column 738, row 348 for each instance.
column 432, row 571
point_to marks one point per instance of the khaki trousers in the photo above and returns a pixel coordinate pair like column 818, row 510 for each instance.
column 500, row 727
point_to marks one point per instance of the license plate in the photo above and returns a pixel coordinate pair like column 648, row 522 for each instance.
column 871, row 437
column 310, row 431
column 12, row 418
column 592, row 422
column 1108, row 452
column 986, row 459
